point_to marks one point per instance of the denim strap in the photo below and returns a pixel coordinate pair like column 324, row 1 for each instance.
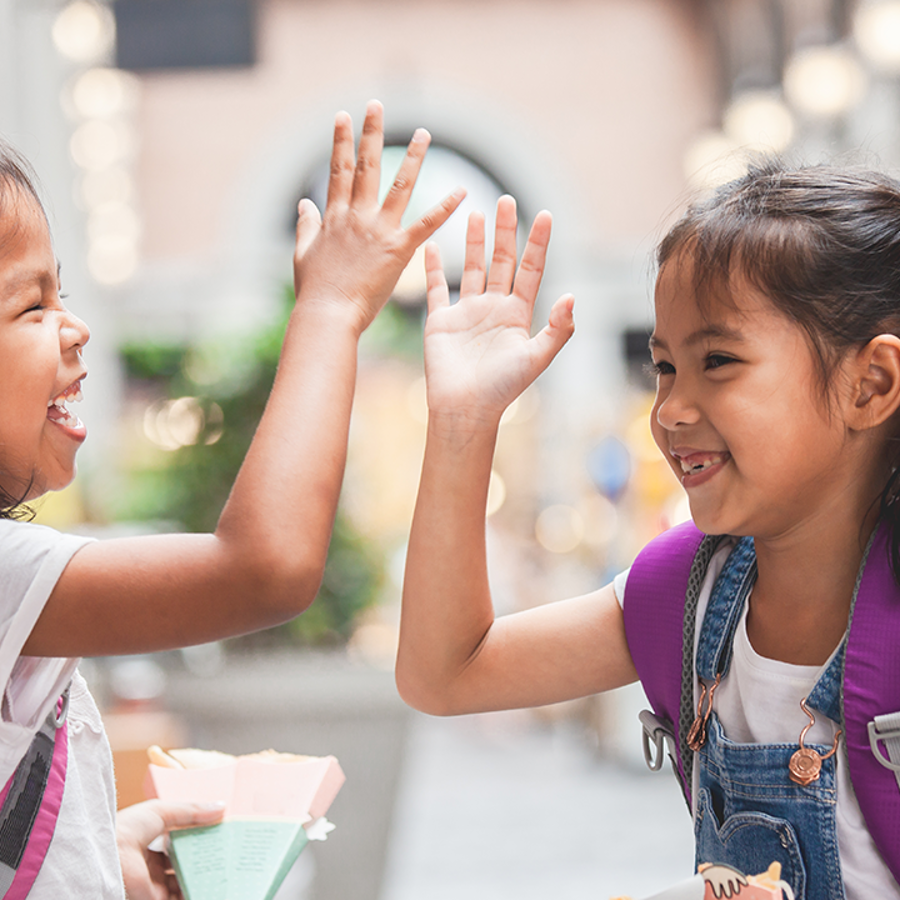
column 729, row 595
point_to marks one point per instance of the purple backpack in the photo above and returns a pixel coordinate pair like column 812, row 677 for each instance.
column 29, row 805
column 660, row 613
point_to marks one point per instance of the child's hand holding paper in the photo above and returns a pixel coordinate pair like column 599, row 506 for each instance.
column 274, row 803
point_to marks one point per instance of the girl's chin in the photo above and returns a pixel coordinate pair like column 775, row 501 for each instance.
column 43, row 484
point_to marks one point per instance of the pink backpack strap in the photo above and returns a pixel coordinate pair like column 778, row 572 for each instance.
column 871, row 698
column 655, row 620
column 30, row 803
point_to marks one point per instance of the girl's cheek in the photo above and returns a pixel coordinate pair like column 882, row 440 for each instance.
column 660, row 438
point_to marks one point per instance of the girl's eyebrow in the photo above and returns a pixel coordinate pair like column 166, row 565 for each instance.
column 720, row 332
column 25, row 278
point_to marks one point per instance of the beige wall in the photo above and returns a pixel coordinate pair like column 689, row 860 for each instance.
column 605, row 93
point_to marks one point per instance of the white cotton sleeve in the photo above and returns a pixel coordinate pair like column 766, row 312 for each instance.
column 619, row 583
column 33, row 558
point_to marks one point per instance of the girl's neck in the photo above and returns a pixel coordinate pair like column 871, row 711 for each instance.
column 801, row 601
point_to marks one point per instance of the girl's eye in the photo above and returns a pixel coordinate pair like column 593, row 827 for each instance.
column 717, row 360
column 661, row 367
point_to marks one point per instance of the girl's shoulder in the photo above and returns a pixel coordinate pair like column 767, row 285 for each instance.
column 33, row 553
column 667, row 561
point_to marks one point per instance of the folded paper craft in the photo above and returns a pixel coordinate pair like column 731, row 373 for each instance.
column 268, row 801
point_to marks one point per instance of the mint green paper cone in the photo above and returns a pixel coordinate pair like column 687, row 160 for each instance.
column 239, row 859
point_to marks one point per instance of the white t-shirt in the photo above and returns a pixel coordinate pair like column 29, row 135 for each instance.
column 758, row 702
column 82, row 860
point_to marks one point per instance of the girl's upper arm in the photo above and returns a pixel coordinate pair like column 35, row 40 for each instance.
column 141, row 594
column 559, row 651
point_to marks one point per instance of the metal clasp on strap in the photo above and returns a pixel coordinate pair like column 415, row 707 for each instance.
column 62, row 708
column 658, row 738
column 886, row 728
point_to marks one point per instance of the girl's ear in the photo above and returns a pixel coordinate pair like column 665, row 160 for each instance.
column 875, row 373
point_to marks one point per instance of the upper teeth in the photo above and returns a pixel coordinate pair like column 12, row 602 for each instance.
column 70, row 396
column 687, row 467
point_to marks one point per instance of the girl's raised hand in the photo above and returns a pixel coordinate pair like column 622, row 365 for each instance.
column 355, row 252
column 479, row 352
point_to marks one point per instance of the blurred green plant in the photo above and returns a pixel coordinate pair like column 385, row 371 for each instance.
column 230, row 380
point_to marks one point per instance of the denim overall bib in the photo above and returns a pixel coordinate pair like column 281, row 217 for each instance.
column 748, row 811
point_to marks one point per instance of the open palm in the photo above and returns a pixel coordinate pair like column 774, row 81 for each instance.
column 479, row 352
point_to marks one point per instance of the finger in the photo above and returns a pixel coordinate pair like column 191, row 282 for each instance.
column 503, row 261
column 309, row 222
column 435, row 280
column 473, row 275
column 397, row 198
column 428, row 224
column 147, row 820
column 367, row 175
column 554, row 335
column 340, row 181
column 174, row 887
column 185, row 815
column 531, row 269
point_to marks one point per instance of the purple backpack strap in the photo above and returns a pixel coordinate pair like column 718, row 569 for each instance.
column 871, row 690
column 654, row 623
column 30, row 804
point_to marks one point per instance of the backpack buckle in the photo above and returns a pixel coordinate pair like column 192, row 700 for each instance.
column 657, row 737
column 890, row 735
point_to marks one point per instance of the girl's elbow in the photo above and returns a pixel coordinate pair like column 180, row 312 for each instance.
column 288, row 589
column 415, row 692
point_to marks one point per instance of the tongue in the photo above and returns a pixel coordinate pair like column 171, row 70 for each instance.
column 57, row 413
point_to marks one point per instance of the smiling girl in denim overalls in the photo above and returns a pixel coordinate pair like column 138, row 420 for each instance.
column 777, row 353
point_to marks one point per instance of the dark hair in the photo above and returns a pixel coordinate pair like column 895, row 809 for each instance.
column 823, row 244
column 16, row 176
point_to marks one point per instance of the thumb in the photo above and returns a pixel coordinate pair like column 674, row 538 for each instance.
column 560, row 327
column 146, row 821
column 309, row 222
column 438, row 294
column 183, row 815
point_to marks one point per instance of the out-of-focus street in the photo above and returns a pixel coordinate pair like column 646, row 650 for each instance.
column 503, row 807
column 521, row 804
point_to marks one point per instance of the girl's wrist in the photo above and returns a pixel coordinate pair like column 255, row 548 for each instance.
column 332, row 310
column 463, row 424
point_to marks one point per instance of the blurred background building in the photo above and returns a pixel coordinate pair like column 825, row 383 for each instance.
column 173, row 139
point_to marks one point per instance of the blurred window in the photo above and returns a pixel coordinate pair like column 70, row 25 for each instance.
column 179, row 34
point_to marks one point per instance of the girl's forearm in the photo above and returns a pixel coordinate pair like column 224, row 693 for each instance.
column 447, row 608
column 278, row 519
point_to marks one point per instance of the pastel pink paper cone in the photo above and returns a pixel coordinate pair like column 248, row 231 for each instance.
column 301, row 790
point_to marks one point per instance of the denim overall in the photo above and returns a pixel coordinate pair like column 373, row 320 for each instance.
column 748, row 811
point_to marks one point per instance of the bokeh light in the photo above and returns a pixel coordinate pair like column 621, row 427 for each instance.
column 824, row 81
column 84, row 31
column 876, row 27
column 559, row 528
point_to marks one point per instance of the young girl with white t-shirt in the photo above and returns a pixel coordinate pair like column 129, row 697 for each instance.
column 64, row 597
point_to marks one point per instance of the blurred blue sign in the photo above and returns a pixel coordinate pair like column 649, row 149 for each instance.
column 609, row 465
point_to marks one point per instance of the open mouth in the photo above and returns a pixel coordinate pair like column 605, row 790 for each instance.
column 694, row 467
column 58, row 411
column 695, row 463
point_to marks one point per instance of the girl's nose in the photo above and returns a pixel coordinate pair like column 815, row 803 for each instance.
column 676, row 409
column 74, row 332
